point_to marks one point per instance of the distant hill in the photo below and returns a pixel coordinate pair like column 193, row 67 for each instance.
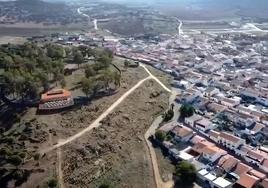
column 39, row 12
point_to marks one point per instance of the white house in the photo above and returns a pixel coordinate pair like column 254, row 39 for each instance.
column 204, row 124
column 213, row 135
column 243, row 150
column 254, row 157
column 212, row 153
column 182, row 133
column 210, row 91
column 230, row 141
column 221, row 183
column 191, row 120
column 230, row 102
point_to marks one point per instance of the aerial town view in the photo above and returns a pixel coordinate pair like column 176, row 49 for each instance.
column 133, row 94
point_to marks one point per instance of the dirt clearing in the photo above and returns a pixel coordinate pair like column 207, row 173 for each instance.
column 116, row 151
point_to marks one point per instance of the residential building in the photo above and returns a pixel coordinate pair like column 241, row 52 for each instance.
column 203, row 124
column 264, row 166
column 213, row 135
column 191, row 120
column 246, row 181
column 182, row 133
column 241, row 169
column 230, row 102
column 254, row 157
column 228, row 162
column 210, row 91
column 56, row 99
column 220, row 182
column 230, row 141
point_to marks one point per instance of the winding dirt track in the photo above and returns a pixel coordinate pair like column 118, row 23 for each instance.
column 158, row 180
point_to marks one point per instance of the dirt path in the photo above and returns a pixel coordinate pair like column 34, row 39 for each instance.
column 155, row 78
column 151, row 131
column 96, row 123
column 59, row 168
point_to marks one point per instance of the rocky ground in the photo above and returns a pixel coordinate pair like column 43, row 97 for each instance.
column 116, row 151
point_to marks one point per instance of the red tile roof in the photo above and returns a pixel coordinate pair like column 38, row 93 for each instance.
column 229, row 137
column 257, row 174
column 57, row 94
column 247, row 181
column 241, row 168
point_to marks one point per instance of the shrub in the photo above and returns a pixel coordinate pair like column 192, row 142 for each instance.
column 15, row 160
column 186, row 173
column 36, row 156
column 52, row 183
column 186, row 111
column 160, row 135
column 9, row 140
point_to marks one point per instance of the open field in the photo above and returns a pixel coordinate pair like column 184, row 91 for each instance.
column 38, row 29
column 124, row 130
column 116, row 151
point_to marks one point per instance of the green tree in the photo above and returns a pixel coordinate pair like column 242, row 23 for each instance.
column 89, row 71
column 186, row 111
column 78, row 57
column 185, row 173
column 160, row 135
column 167, row 116
column 106, row 185
column 105, row 60
column 87, row 86
column 52, row 183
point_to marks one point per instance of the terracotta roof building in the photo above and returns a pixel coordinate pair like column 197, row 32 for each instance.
column 230, row 141
column 56, row 99
column 246, row 181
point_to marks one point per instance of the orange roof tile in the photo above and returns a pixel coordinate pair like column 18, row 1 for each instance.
column 241, row 168
column 55, row 94
column 255, row 154
column 182, row 131
column 229, row 137
column 265, row 163
column 213, row 133
column 257, row 174
column 247, row 180
column 196, row 139
column 230, row 163
column 223, row 159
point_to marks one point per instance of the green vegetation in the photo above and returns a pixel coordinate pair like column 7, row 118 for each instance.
column 185, row 173
column 160, row 135
column 167, row 116
column 52, row 183
column 29, row 69
column 106, row 185
column 15, row 160
column 100, row 76
column 186, row 111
